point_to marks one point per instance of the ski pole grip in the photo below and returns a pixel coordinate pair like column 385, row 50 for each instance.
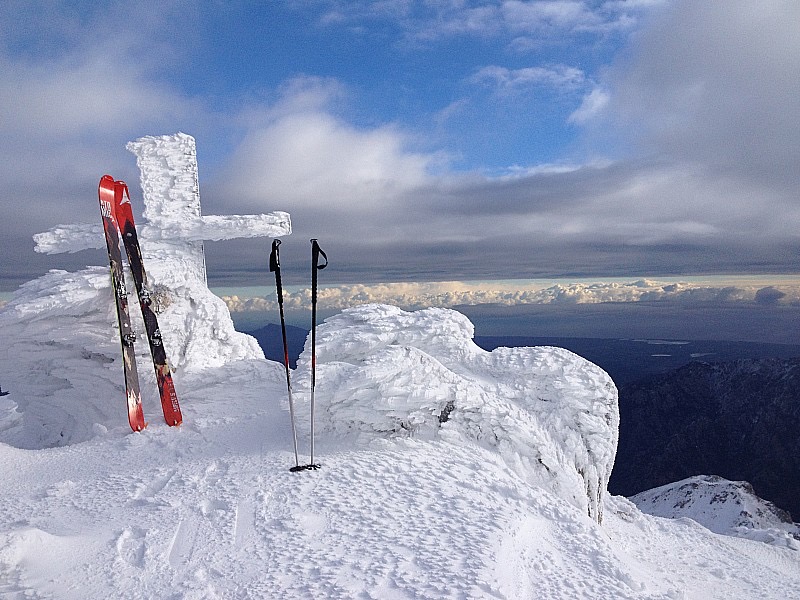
column 316, row 252
column 275, row 267
column 274, row 257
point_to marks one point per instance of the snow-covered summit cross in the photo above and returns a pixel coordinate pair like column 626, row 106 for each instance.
column 171, row 238
column 173, row 228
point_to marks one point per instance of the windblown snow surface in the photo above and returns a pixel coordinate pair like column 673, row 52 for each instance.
column 447, row 471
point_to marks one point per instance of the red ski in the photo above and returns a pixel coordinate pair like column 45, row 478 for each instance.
column 166, row 387
column 106, row 193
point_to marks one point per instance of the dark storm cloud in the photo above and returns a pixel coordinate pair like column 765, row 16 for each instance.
column 548, row 191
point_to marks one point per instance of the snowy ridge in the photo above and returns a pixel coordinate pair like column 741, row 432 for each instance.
column 725, row 507
column 738, row 418
column 550, row 413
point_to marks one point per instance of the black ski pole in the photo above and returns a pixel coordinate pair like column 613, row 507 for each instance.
column 275, row 266
column 316, row 251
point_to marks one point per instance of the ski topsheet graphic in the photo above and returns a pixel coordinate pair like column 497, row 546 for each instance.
column 126, row 334
column 166, row 388
column 122, row 216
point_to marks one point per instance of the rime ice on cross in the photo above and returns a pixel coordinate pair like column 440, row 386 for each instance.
column 171, row 238
column 173, row 227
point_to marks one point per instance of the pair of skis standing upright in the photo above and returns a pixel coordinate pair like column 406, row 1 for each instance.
column 115, row 208
column 275, row 266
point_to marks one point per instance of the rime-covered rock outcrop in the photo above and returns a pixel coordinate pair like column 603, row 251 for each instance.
column 549, row 413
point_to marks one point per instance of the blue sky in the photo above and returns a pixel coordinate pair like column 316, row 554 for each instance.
column 421, row 140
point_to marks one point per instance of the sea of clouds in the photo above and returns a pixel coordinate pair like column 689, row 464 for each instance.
column 413, row 295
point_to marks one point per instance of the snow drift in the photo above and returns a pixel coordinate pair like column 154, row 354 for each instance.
column 551, row 414
column 381, row 371
column 61, row 354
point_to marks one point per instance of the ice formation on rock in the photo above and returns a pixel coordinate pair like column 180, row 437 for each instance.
column 551, row 414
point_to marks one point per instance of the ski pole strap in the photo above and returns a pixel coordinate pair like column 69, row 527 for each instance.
column 316, row 252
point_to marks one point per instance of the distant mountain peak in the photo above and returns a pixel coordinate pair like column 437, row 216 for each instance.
column 738, row 419
column 723, row 506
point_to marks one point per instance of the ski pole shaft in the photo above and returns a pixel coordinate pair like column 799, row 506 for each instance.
column 316, row 252
column 275, row 266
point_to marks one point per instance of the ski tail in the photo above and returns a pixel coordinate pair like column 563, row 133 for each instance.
column 169, row 398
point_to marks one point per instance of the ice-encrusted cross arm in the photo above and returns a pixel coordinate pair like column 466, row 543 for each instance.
column 84, row 236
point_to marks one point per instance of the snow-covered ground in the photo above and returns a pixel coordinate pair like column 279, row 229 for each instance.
column 490, row 500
